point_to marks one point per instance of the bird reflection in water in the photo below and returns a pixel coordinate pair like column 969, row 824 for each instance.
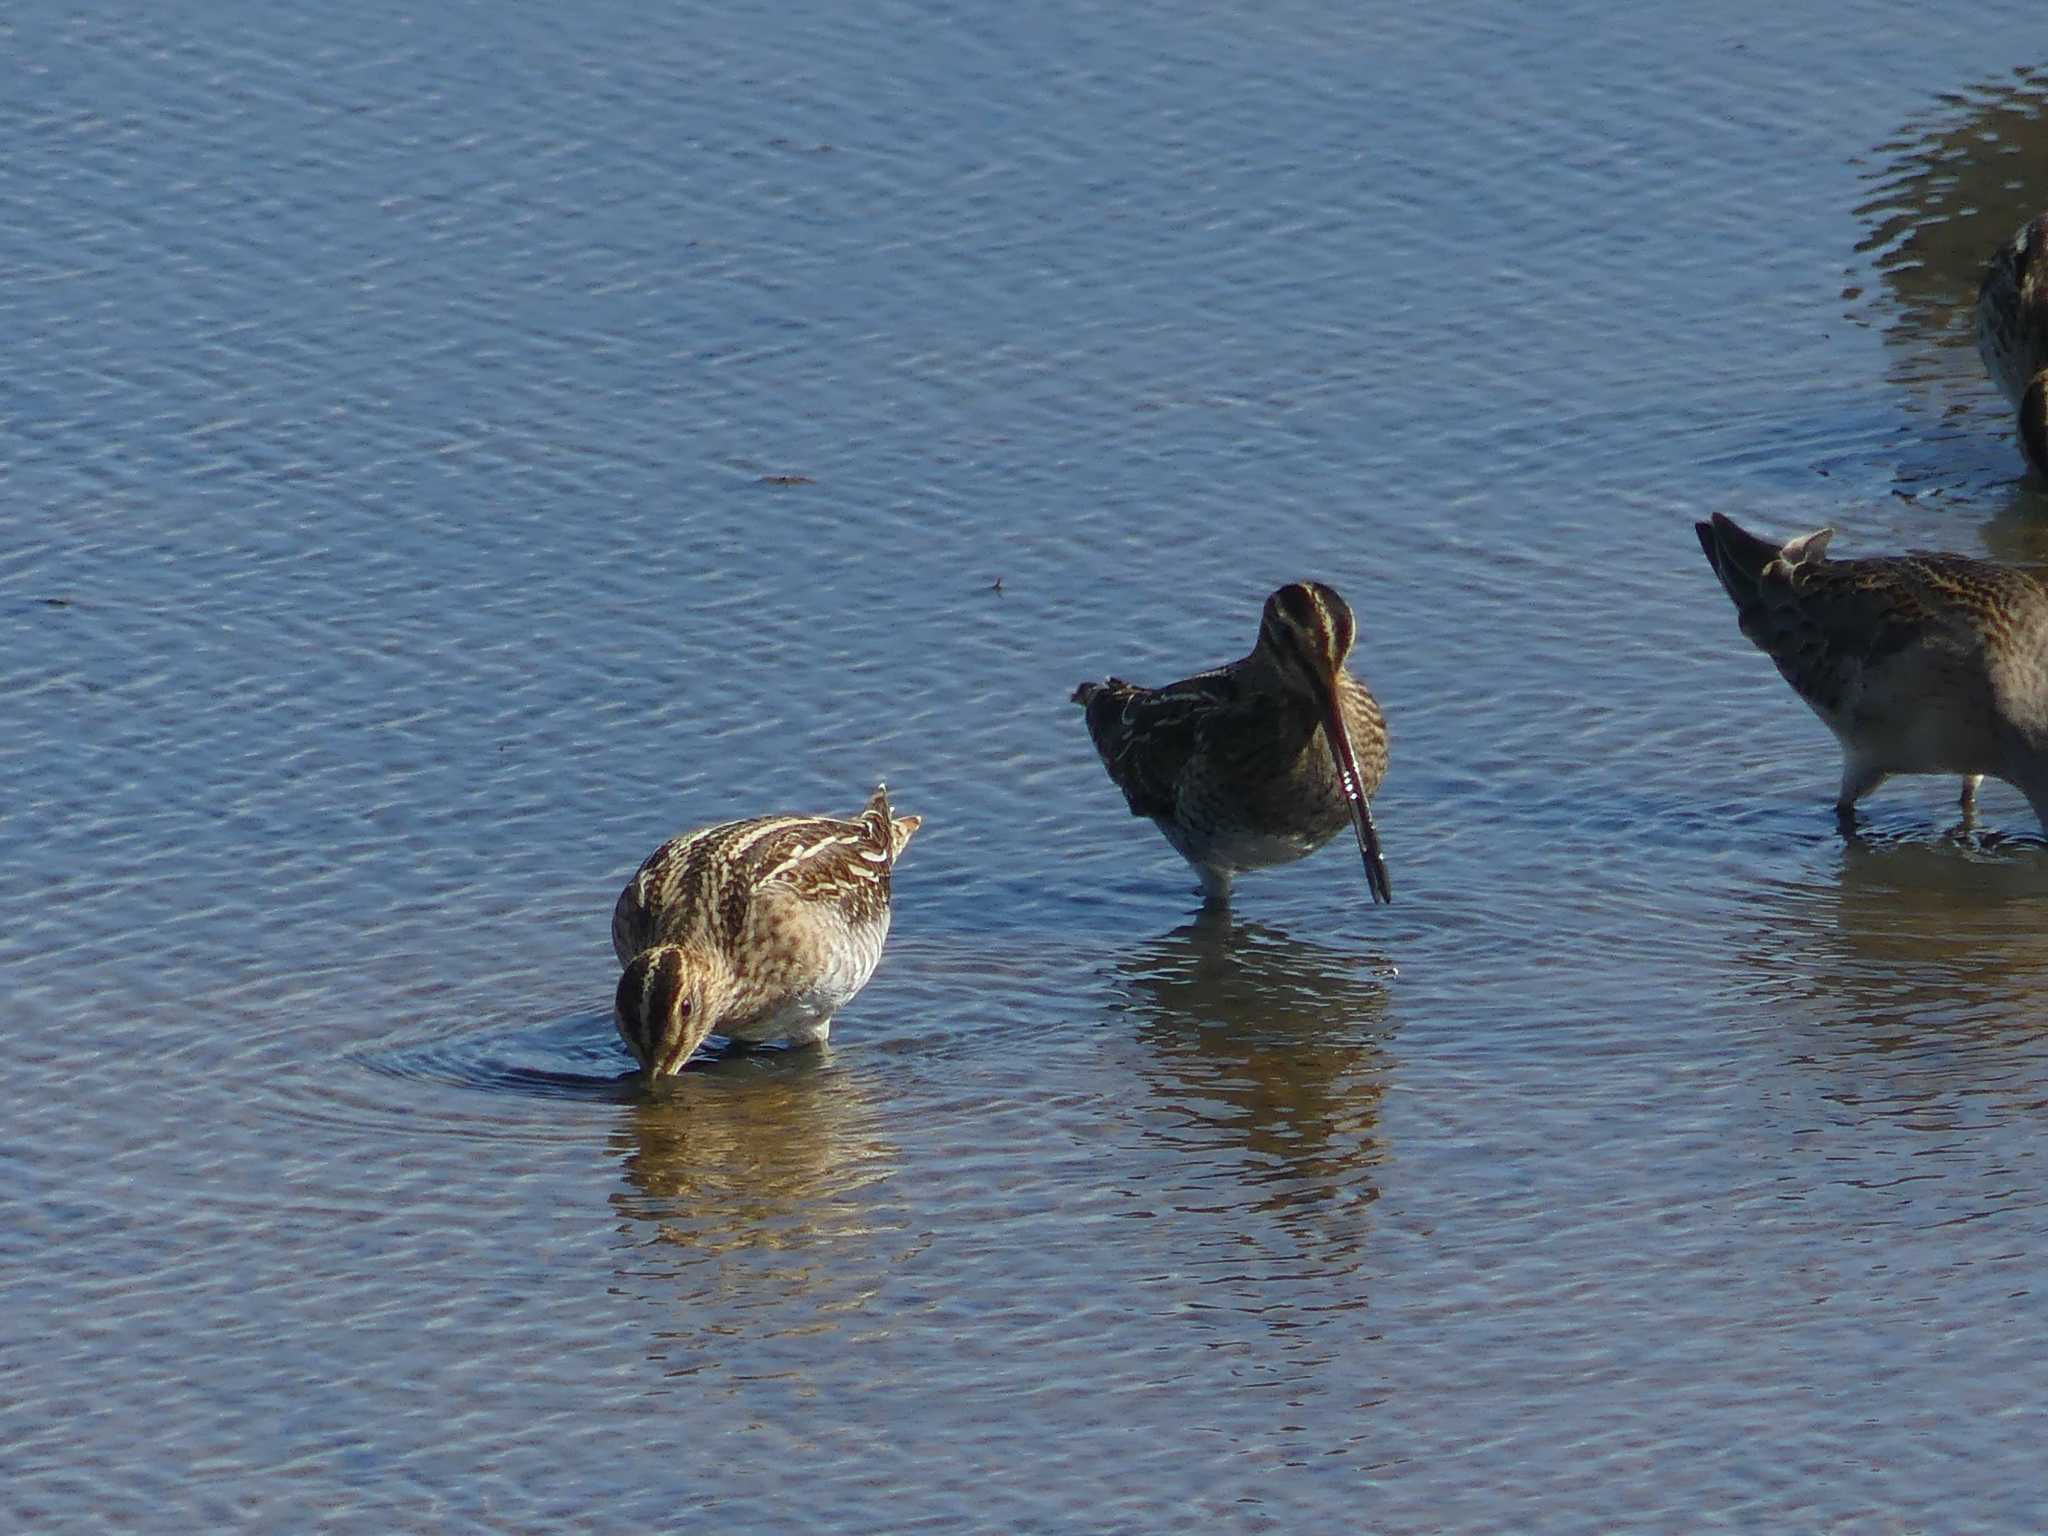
column 777, row 1152
column 1926, row 956
column 1263, row 1057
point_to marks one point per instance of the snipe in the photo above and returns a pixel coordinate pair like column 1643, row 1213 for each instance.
column 2012, row 332
column 758, row 930
column 1259, row 762
column 1919, row 663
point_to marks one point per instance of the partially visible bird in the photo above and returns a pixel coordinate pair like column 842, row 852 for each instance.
column 758, row 930
column 1258, row 762
column 2012, row 332
column 1919, row 663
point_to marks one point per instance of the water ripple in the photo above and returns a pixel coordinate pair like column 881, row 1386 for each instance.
column 445, row 462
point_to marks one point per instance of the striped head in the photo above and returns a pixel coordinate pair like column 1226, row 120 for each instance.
column 1308, row 631
column 667, row 1003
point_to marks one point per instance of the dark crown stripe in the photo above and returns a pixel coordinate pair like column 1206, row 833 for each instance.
column 650, row 991
column 1296, row 603
column 1310, row 622
column 631, row 1003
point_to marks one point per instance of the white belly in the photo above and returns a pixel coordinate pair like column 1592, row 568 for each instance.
column 801, row 1014
column 1241, row 850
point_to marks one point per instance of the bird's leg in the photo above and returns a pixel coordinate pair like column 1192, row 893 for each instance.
column 1215, row 885
column 1858, row 779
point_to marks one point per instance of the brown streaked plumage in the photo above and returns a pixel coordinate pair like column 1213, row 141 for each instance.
column 1919, row 663
column 2012, row 332
column 758, row 930
column 1259, row 762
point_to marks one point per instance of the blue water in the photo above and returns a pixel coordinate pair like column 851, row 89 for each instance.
column 443, row 455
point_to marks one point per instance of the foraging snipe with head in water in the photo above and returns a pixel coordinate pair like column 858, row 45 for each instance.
column 2012, row 332
column 1259, row 762
column 1919, row 663
column 758, row 930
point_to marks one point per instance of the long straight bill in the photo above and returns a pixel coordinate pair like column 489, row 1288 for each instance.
column 1361, row 809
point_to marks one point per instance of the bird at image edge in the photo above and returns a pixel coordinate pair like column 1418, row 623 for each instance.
column 758, row 930
column 2012, row 332
column 1259, row 762
column 1919, row 663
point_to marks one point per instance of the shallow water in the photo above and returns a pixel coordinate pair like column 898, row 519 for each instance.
column 445, row 455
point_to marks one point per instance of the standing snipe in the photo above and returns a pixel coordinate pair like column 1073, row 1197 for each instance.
column 1921, row 663
column 757, row 930
column 2012, row 332
column 1259, row 762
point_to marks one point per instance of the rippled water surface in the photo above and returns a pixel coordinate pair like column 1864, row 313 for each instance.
column 444, row 452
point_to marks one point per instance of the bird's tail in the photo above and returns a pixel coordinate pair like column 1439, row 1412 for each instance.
column 890, row 828
column 1743, row 561
column 1103, row 703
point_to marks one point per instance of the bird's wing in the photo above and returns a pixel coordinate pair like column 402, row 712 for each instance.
column 1146, row 736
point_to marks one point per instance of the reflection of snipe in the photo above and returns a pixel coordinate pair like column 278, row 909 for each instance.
column 753, row 1154
column 1927, row 958
column 1265, row 1051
